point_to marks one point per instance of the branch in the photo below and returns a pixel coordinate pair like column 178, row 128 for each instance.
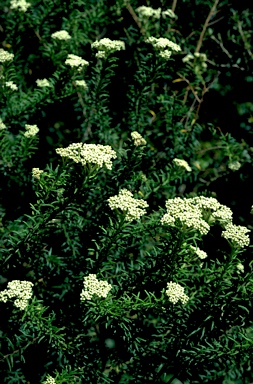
column 212, row 10
column 134, row 16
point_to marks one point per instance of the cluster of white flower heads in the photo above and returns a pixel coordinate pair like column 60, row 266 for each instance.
column 43, row 83
column 201, row 254
column 237, row 234
column 197, row 212
column 31, row 130
column 182, row 164
column 164, row 46
column 175, row 292
column 81, row 84
column 89, row 153
column 11, row 85
column 106, row 46
column 5, row 56
column 183, row 211
column 146, row 12
column 21, row 5
column 138, row 139
column 61, row 35
column 93, row 286
column 21, row 290
column 2, row 125
column 36, row 172
column 125, row 201
column 76, row 62
column 49, row 380
column 234, row 165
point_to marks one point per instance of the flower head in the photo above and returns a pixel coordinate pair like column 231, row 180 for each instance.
column 31, row 130
column 147, row 12
column 61, row 35
column 138, row 139
column 176, row 292
column 162, row 44
column 5, row 56
column 21, row 5
column 11, row 85
column 76, row 61
column 107, row 46
column 36, row 172
column 201, row 254
column 124, row 201
column 21, row 290
column 182, row 164
column 89, row 153
column 43, row 83
column 237, row 234
column 234, row 165
column 92, row 286
column 81, row 84
column 2, row 125
column 49, row 380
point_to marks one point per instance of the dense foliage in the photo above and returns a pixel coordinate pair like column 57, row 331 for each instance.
column 125, row 192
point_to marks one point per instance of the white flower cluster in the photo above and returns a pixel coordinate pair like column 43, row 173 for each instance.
column 106, row 46
column 89, row 153
column 138, row 139
column 92, row 286
column 212, row 210
column 5, row 56
column 198, row 61
column 21, row 5
column 201, row 254
column 144, row 11
column 36, row 172
column 2, row 125
column 133, row 208
column 22, row 290
column 182, row 164
column 31, row 130
column 186, row 213
column 237, row 234
column 234, row 165
column 49, row 380
column 76, row 61
column 61, row 35
column 176, row 292
column 11, row 85
column 43, row 83
column 147, row 12
column 164, row 46
column 81, row 84
column 240, row 268
column 196, row 213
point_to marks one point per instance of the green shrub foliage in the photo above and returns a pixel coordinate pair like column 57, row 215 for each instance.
column 125, row 192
